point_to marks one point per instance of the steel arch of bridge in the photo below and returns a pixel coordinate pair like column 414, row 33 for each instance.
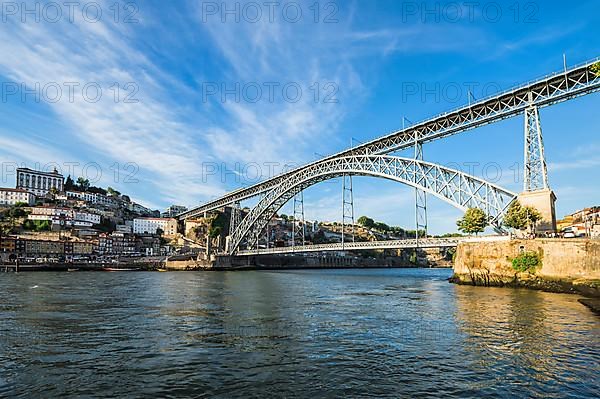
column 452, row 186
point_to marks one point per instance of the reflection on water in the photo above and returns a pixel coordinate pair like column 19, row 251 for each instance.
column 329, row 333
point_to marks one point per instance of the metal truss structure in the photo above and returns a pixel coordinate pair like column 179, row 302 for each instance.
column 235, row 217
column 456, row 188
column 558, row 87
column 536, row 171
column 420, row 200
column 355, row 246
column 347, row 208
column 298, row 223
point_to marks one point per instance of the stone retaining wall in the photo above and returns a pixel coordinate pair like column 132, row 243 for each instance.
column 568, row 265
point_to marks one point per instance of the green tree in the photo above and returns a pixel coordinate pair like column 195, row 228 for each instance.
column 16, row 212
column 83, row 184
column 111, row 191
column 366, row 222
column 514, row 218
column 596, row 69
column 106, row 225
column 382, row 227
column 37, row 225
column 319, row 238
column 398, row 230
column 217, row 225
column 520, row 217
column 474, row 221
column 69, row 184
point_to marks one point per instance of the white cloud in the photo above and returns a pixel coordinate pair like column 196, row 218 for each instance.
column 148, row 133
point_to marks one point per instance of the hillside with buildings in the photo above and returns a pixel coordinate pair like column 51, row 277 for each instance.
column 47, row 218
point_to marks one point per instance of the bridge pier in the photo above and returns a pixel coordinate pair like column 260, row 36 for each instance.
column 543, row 201
column 420, row 199
column 537, row 192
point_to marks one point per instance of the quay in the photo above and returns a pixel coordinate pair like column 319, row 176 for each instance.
column 552, row 264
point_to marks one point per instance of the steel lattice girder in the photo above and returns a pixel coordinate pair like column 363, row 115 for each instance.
column 458, row 189
column 352, row 246
column 536, row 172
column 552, row 89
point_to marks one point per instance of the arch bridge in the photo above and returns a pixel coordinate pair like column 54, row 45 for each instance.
column 457, row 188
column 454, row 187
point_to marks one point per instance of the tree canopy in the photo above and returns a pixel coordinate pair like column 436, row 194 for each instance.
column 69, row 184
column 596, row 68
column 366, row 222
column 520, row 217
column 83, row 184
column 474, row 221
column 111, row 191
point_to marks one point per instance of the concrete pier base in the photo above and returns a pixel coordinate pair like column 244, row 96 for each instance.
column 543, row 201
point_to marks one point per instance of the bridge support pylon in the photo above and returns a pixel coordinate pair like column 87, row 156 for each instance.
column 420, row 199
column 298, row 224
column 536, row 190
column 234, row 221
column 347, row 208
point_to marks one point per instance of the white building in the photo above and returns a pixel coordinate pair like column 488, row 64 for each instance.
column 11, row 196
column 151, row 225
column 39, row 183
column 93, row 198
column 87, row 217
column 139, row 209
column 51, row 211
column 67, row 216
column 57, row 216
column 174, row 210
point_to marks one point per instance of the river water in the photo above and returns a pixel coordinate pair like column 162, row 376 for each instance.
column 308, row 333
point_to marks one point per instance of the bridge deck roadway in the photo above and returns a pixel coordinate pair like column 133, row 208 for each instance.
column 355, row 246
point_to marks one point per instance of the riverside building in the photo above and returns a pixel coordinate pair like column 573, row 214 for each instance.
column 12, row 196
column 151, row 226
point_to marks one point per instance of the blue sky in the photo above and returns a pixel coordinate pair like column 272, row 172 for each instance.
column 361, row 67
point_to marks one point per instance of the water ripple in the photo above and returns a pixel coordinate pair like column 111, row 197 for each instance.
column 318, row 333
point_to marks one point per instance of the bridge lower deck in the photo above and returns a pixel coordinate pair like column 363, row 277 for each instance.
column 356, row 246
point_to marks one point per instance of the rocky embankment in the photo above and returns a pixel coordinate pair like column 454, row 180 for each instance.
column 565, row 265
